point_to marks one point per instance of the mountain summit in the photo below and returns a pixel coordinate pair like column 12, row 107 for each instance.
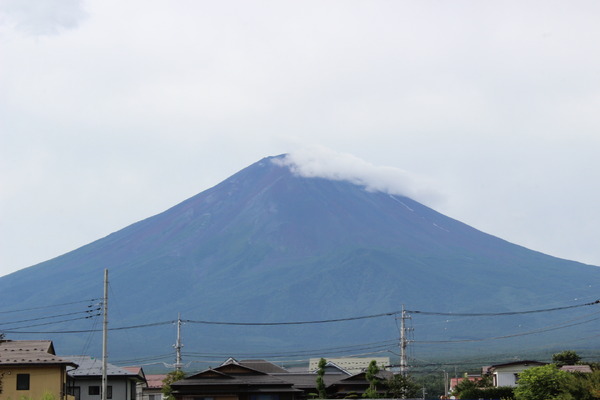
column 269, row 245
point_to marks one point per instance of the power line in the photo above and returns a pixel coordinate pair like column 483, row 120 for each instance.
column 324, row 321
column 502, row 313
column 391, row 313
column 50, row 317
column 48, row 323
column 89, row 330
column 50, row 306
column 542, row 330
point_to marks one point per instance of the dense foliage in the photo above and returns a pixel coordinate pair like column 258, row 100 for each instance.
column 482, row 389
column 402, row 387
column 548, row 382
column 567, row 357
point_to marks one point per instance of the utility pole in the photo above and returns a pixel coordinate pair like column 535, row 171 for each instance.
column 178, row 345
column 105, row 337
column 446, row 377
column 403, row 342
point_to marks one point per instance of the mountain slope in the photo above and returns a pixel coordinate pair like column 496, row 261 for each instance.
column 266, row 245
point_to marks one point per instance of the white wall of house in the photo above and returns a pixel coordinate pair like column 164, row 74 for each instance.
column 509, row 375
column 121, row 389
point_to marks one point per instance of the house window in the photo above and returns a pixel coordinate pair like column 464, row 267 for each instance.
column 22, row 381
column 95, row 391
column 516, row 378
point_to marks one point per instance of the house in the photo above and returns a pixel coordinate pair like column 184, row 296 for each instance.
column 153, row 388
column 456, row 381
column 140, row 384
column 508, row 374
column 307, row 380
column 262, row 380
column 234, row 382
column 31, row 369
column 87, row 380
column 354, row 385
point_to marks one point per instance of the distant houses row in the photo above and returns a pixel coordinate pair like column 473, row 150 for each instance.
column 31, row 369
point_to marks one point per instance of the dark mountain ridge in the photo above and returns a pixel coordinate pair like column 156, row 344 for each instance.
column 267, row 245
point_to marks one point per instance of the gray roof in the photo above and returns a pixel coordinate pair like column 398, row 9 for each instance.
column 307, row 380
column 30, row 352
column 263, row 366
column 92, row 367
column 577, row 368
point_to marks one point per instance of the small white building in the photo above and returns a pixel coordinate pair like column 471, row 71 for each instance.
column 508, row 374
column 87, row 380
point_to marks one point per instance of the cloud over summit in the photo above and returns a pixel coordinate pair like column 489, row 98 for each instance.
column 320, row 162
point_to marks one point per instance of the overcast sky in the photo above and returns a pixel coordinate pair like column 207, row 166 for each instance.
column 113, row 111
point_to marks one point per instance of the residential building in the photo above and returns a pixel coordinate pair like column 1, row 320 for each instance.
column 234, row 382
column 87, row 380
column 507, row 374
column 141, row 384
column 153, row 388
column 456, row 381
column 31, row 369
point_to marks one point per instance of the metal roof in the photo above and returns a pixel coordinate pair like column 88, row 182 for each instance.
column 92, row 367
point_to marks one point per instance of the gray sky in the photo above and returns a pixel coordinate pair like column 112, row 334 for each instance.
column 113, row 111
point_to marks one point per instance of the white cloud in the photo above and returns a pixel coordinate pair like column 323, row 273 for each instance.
column 321, row 162
column 39, row 18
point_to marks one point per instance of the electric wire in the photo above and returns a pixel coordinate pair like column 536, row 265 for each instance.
column 503, row 313
column 46, row 323
column 541, row 330
column 50, row 317
column 324, row 321
column 49, row 306
column 392, row 313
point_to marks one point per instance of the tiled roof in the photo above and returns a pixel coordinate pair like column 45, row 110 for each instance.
column 263, row 366
column 155, row 381
column 307, row 380
column 30, row 352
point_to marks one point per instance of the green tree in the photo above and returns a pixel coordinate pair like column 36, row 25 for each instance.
column 321, row 390
column 373, row 379
column 171, row 377
column 401, row 387
column 567, row 357
column 541, row 383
